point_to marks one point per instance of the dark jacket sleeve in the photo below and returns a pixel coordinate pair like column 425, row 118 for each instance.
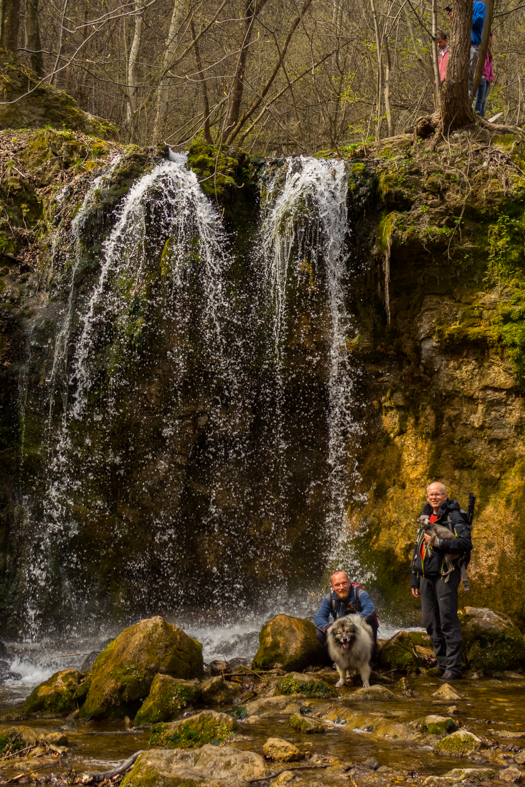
column 367, row 605
column 462, row 542
column 322, row 618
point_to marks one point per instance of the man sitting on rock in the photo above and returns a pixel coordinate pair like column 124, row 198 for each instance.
column 439, row 594
column 345, row 598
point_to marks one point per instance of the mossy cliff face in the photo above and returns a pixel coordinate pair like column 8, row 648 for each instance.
column 437, row 289
column 441, row 345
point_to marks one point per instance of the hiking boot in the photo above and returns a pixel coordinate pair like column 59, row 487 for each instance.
column 449, row 675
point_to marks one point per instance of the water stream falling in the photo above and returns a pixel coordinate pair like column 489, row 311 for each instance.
column 200, row 404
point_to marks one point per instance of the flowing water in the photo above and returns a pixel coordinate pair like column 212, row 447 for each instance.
column 201, row 403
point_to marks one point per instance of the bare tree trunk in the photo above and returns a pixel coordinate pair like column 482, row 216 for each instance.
column 9, row 23
column 386, row 88
column 252, row 7
column 483, row 47
column 163, row 89
column 456, row 107
column 204, row 89
column 257, row 101
column 435, row 62
column 33, row 37
column 60, row 41
column 131, row 106
column 379, row 69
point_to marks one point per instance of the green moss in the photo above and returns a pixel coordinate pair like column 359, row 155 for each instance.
column 457, row 745
column 167, row 698
column 399, row 654
column 57, row 695
column 313, row 688
column 439, row 727
column 193, row 733
column 144, row 776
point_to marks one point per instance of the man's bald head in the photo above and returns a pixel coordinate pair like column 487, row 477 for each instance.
column 437, row 486
column 340, row 584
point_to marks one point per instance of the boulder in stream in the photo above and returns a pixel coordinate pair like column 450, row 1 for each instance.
column 281, row 750
column 289, row 643
column 309, row 685
column 306, row 724
column 167, row 698
column 192, row 733
column 222, row 766
column 458, row 744
column 399, row 653
column 491, row 641
column 217, row 691
column 56, row 696
column 123, row 673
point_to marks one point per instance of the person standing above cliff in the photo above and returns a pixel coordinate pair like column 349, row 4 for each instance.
column 439, row 596
column 443, row 53
column 486, row 81
column 478, row 19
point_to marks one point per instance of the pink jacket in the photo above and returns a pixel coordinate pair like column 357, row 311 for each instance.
column 488, row 73
column 442, row 62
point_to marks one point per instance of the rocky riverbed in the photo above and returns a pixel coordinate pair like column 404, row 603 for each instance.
column 232, row 723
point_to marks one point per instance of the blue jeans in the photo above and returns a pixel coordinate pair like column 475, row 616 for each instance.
column 481, row 96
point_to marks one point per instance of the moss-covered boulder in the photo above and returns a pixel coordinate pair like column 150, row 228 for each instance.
column 217, row 691
column 458, row 744
column 222, row 766
column 56, row 696
column 289, row 643
column 437, row 725
column 41, row 104
column 123, row 673
column 205, row 727
column 399, row 653
column 295, row 683
column 166, row 699
column 15, row 738
column 491, row 640
column 306, row 724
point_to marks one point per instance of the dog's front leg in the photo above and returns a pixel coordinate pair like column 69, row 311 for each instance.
column 365, row 675
column 342, row 677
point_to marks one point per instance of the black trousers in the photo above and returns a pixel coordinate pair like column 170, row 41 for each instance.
column 439, row 606
column 372, row 622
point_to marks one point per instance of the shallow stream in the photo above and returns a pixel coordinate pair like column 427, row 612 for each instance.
column 492, row 708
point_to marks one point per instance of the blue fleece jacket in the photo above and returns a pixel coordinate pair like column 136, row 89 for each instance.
column 478, row 19
column 358, row 599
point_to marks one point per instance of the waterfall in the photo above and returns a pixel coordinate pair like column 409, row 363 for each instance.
column 305, row 233
column 201, row 402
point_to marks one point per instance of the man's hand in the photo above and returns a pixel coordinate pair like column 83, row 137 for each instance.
column 415, row 592
column 431, row 540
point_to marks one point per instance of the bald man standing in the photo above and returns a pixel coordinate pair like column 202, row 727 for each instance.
column 439, row 598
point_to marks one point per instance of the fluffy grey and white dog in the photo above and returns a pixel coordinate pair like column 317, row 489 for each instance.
column 350, row 645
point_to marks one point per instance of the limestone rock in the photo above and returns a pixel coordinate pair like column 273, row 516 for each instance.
column 447, row 694
column 492, row 642
column 296, row 683
column 212, row 765
column 217, row 691
column 511, row 775
column 399, row 653
column 438, row 725
column 289, row 642
column 192, row 733
column 166, row 699
column 519, row 758
column 373, row 693
column 281, row 750
column 472, row 774
column 123, row 673
column 56, row 738
column 25, row 735
column 306, row 724
column 458, row 744
column 56, row 695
